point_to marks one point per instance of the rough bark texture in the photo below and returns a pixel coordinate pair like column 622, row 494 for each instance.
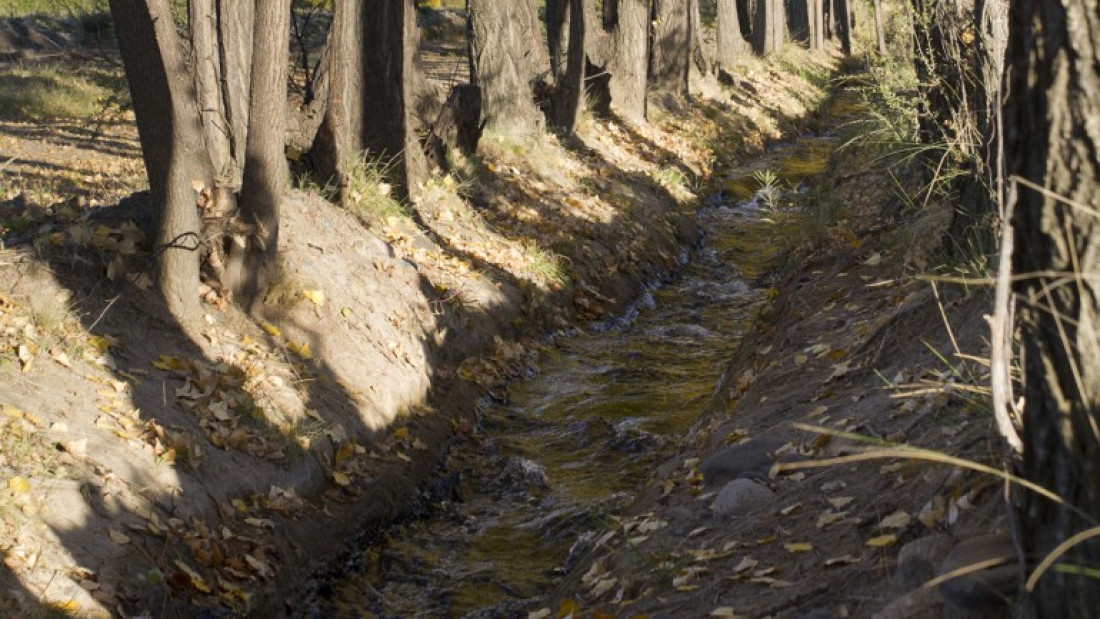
column 457, row 127
column 172, row 144
column 670, row 53
column 1054, row 142
column 372, row 92
column 252, row 258
column 507, row 58
column 730, row 41
column 567, row 58
column 769, row 27
column 628, row 58
column 221, row 47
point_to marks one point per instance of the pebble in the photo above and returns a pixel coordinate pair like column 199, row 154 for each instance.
column 985, row 590
column 917, row 604
column 918, row 559
column 751, row 457
column 740, row 497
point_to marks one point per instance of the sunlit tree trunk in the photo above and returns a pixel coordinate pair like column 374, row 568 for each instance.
column 507, row 56
column 731, row 43
column 252, row 258
column 172, row 144
column 769, row 27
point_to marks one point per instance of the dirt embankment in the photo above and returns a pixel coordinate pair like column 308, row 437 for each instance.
column 147, row 467
column 760, row 514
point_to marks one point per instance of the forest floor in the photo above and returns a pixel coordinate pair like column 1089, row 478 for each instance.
column 146, row 468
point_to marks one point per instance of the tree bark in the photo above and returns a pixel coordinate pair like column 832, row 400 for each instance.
column 221, row 46
column 172, row 144
column 371, row 93
column 253, row 253
column 798, row 20
column 507, row 57
column 702, row 60
column 731, row 43
column 628, row 64
column 880, row 31
column 567, row 97
column 1053, row 144
column 843, row 17
column 816, row 9
column 670, row 54
column 769, row 27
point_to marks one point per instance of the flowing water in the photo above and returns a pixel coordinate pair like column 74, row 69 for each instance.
column 576, row 442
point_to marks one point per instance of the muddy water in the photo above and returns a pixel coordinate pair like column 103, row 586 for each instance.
column 575, row 443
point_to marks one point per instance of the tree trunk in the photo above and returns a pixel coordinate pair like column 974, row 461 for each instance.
column 629, row 62
column 372, row 82
column 798, row 20
column 816, row 10
column 880, row 31
column 568, row 89
column 1053, row 142
column 670, row 54
column 171, row 135
column 221, row 44
column 253, row 253
column 769, row 27
column 730, row 41
column 843, row 17
column 507, row 58
column 702, row 60
column 746, row 13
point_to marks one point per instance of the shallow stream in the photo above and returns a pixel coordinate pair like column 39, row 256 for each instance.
column 579, row 440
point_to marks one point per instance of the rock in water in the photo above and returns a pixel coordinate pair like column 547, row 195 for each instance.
column 741, row 497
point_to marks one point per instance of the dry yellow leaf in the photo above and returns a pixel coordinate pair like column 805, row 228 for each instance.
column 317, row 297
column 341, row 478
column 19, row 485
column 882, row 541
column 797, row 547
column 896, row 520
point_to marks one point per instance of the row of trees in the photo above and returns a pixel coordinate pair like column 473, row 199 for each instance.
column 211, row 104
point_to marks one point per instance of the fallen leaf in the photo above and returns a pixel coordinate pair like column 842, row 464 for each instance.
column 896, row 520
column 725, row 612
column 841, row 502
column 196, row 580
column 798, row 547
column 882, row 541
column 316, row 297
column 118, row 537
column 19, row 485
column 790, row 509
column 341, row 478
